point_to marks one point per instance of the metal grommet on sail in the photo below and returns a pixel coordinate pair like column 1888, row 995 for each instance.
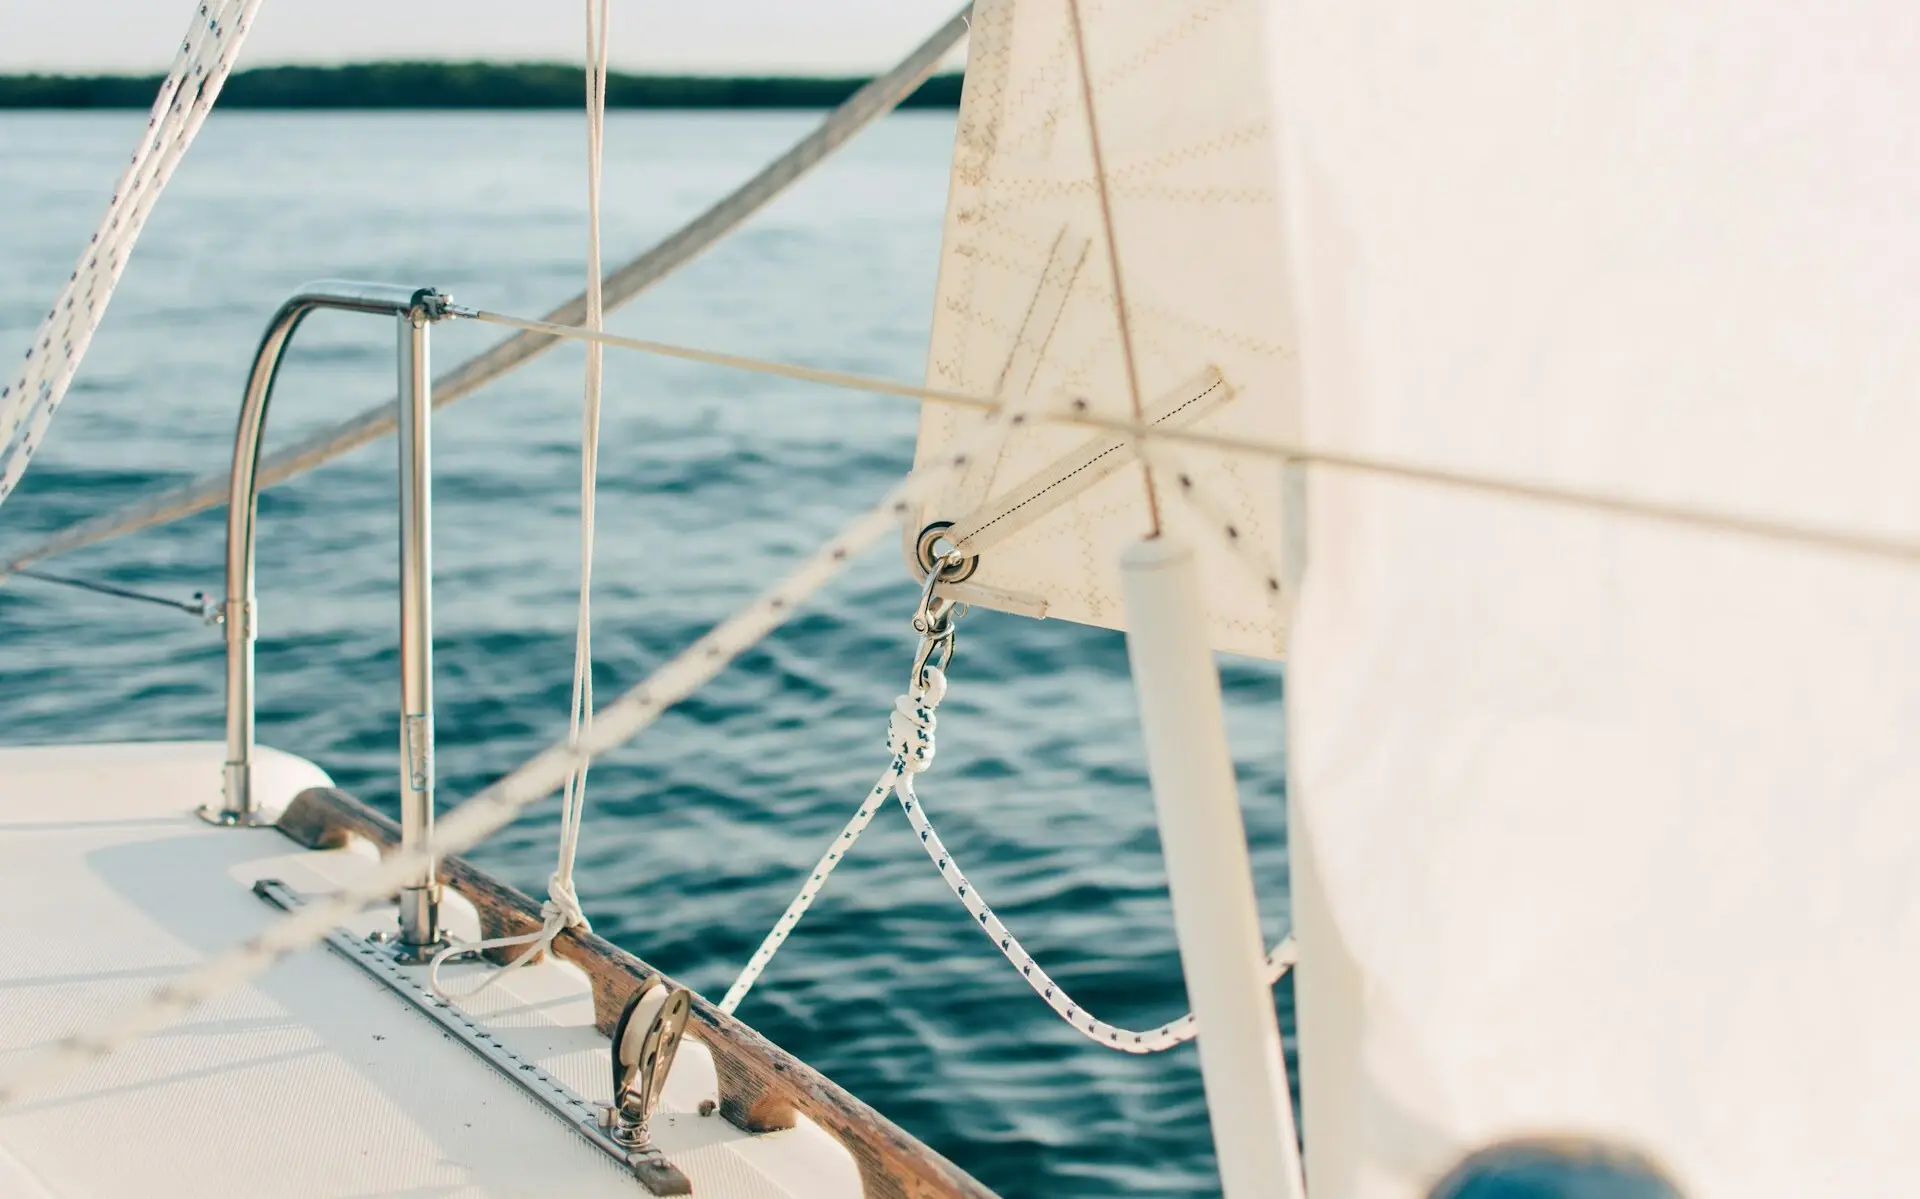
column 953, row 567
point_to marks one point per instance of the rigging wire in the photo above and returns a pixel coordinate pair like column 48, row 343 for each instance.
column 186, row 94
column 199, row 607
column 761, row 366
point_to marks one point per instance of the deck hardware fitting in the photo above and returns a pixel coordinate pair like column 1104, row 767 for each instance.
column 654, row 1049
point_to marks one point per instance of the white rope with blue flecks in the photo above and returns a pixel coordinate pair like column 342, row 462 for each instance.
column 910, row 737
column 187, row 93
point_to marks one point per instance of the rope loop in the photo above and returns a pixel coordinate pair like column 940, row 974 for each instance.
column 559, row 913
column 910, row 730
column 538, row 941
column 910, row 740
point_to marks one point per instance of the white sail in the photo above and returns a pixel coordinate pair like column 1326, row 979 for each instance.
column 1026, row 310
column 1606, row 826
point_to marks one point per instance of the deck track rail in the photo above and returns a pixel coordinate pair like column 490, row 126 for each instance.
column 762, row 1086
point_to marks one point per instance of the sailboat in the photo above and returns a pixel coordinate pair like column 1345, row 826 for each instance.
column 1538, row 383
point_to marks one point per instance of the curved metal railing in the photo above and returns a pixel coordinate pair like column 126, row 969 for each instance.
column 415, row 309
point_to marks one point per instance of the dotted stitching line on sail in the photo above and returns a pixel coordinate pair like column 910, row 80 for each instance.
column 1085, row 466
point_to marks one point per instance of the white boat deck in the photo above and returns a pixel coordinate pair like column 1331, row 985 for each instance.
column 314, row 1080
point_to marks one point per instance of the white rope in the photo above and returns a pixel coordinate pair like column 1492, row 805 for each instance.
column 562, row 909
column 187, row 93
column 910, row 737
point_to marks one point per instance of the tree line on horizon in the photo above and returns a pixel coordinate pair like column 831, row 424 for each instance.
column 468, row 85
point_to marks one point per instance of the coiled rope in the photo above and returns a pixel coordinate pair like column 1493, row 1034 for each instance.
column 187, row 92
column 562, row 910
column 910, row 739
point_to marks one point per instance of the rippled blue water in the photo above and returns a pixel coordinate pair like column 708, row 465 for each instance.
column 698, row 832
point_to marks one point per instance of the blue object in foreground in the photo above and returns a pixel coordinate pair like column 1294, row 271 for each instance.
column 1557, row 1168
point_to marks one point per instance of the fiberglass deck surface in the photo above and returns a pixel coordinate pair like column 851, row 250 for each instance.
column 314, row 1080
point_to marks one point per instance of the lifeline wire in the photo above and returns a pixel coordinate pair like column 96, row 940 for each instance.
column 199, row 607
column 1078, row 412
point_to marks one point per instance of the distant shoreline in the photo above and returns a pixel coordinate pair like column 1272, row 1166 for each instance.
column 472, row 85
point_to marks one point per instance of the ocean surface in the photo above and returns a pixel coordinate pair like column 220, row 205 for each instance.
column 698, row 832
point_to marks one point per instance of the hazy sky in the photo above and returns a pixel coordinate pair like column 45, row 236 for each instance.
column 689, row 35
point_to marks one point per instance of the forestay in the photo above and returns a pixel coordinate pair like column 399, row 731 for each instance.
column 1604, row 826
column 1026, row 299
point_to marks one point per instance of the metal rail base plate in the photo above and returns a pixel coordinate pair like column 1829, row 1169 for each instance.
column 650, row 1167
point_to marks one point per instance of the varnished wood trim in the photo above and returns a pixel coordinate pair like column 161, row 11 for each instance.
column 761, row 1085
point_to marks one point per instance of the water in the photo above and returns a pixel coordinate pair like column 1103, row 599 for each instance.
column 698, row 832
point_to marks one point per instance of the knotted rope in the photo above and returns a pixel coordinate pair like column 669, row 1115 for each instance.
column 910, row 739
column 187, row 92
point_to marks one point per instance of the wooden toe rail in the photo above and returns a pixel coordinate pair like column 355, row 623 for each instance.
column 762, row 1086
